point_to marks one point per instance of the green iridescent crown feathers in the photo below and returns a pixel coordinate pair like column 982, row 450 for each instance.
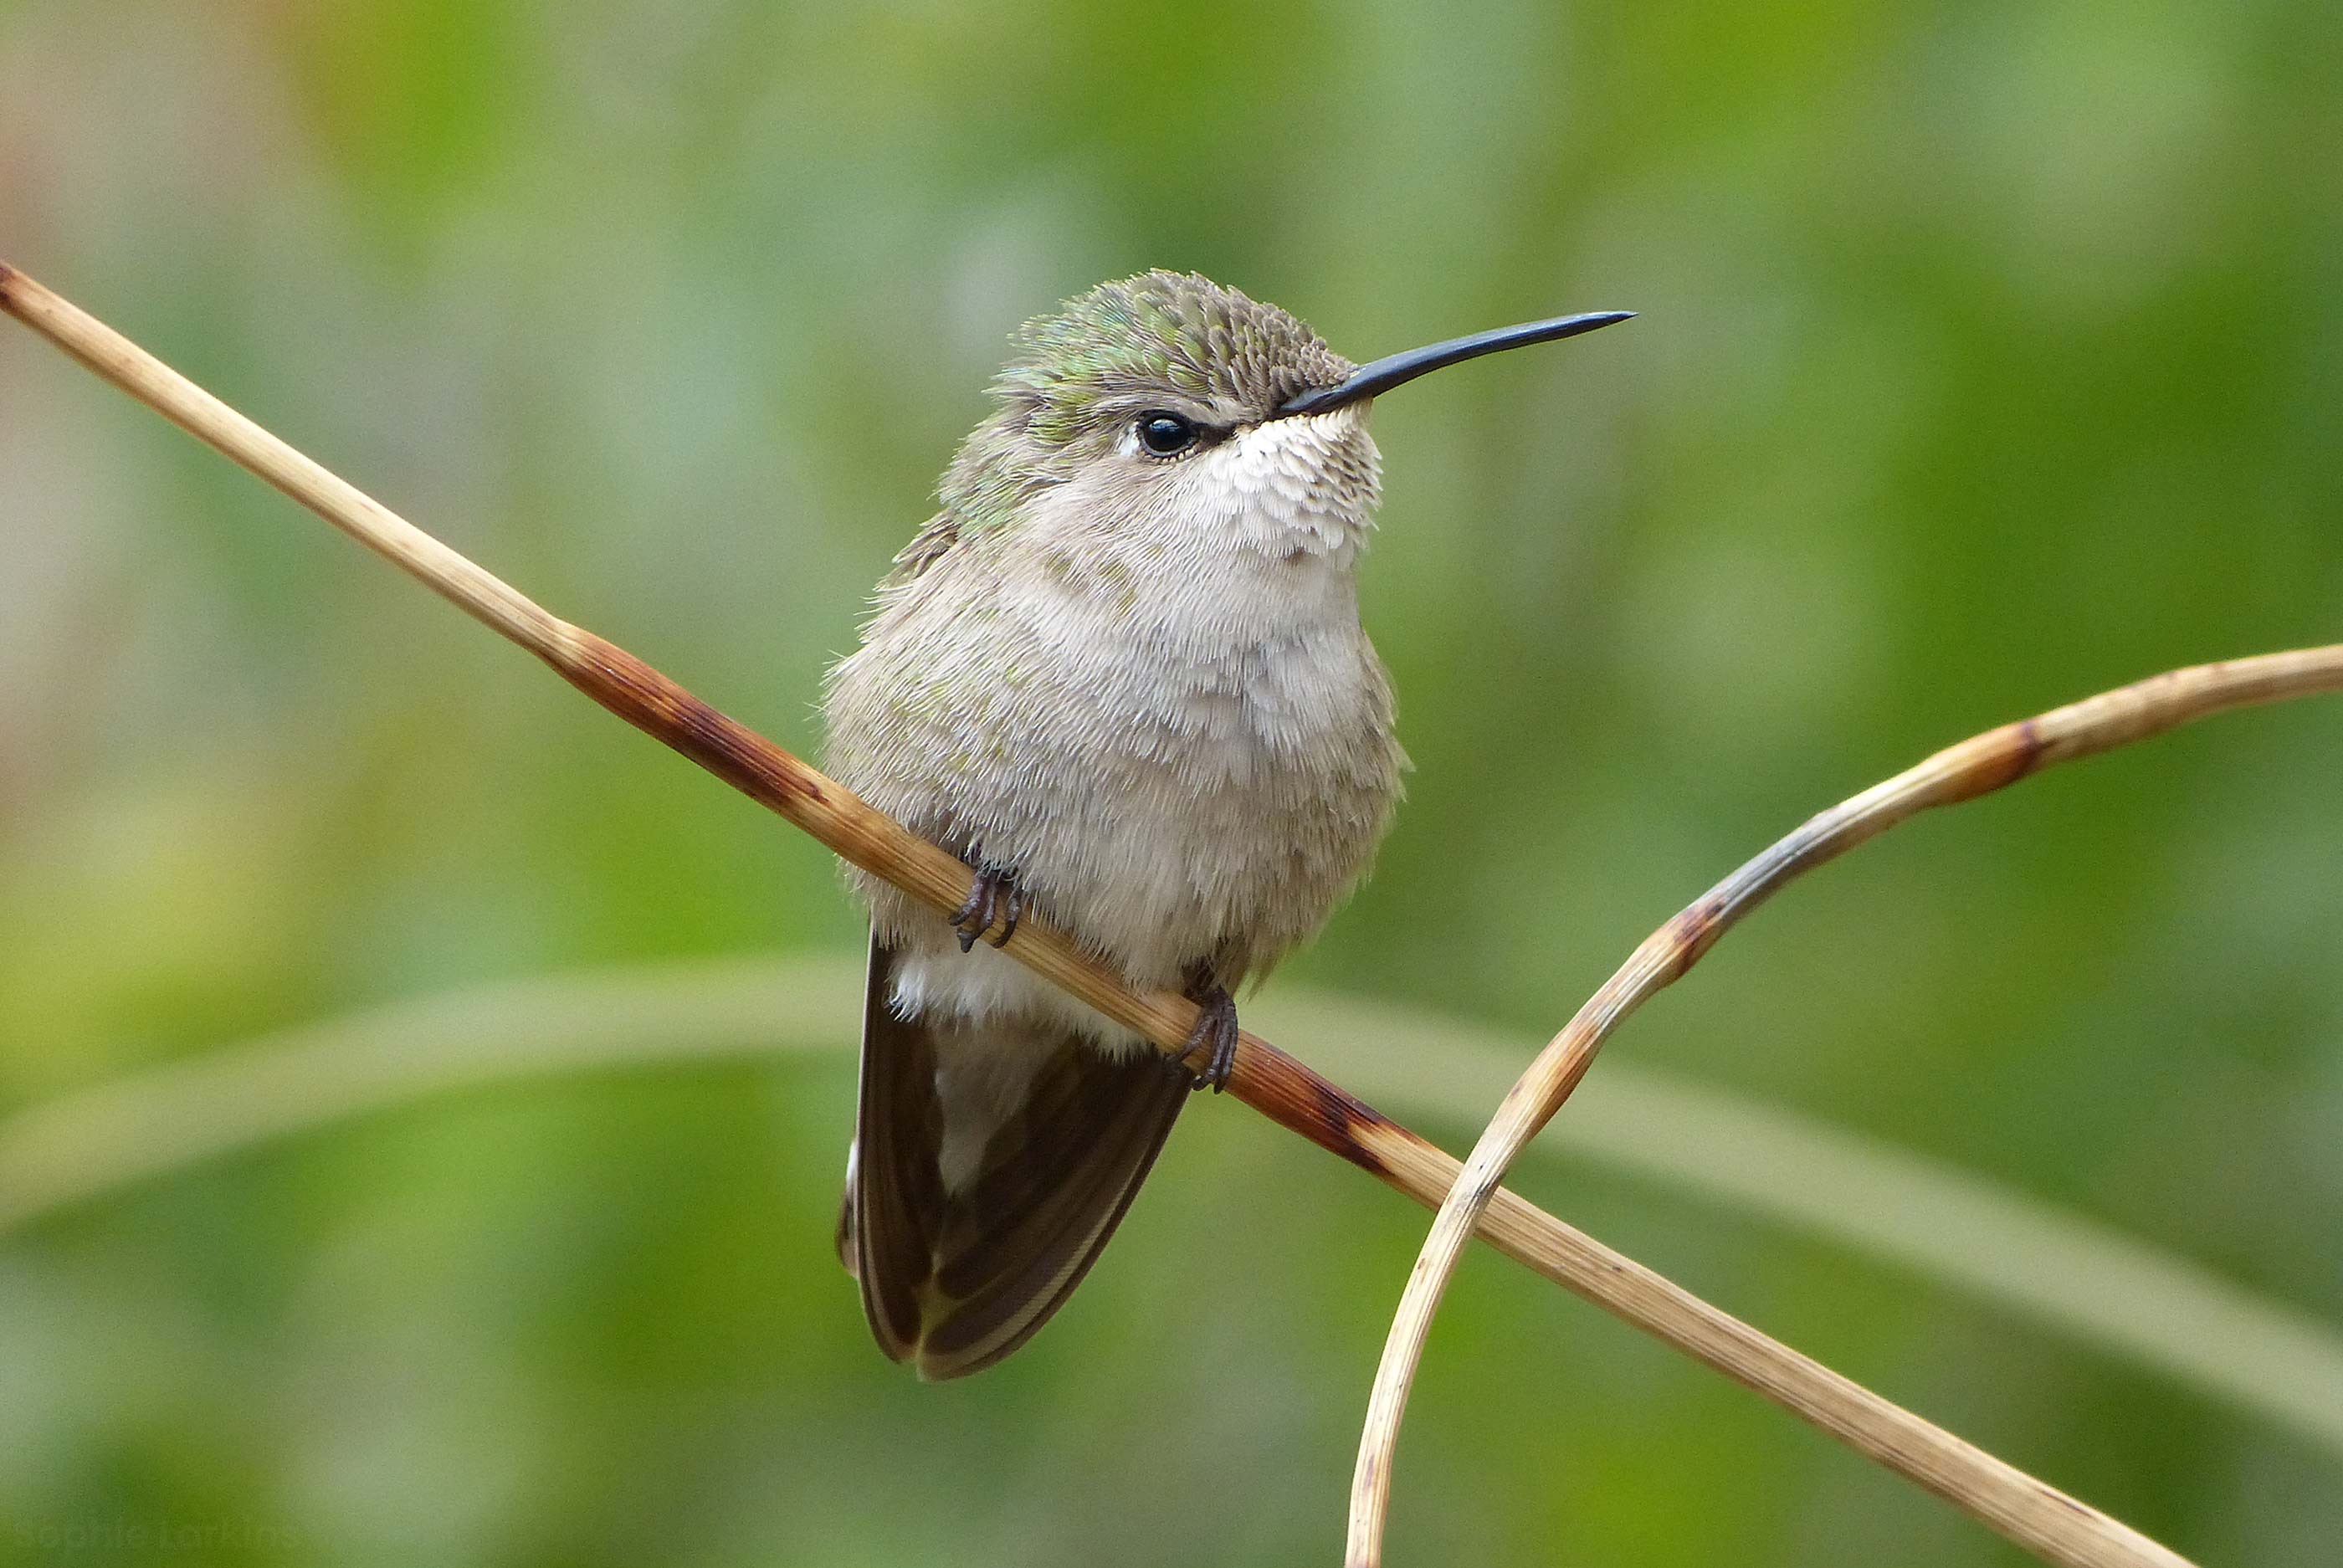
column 1079, row 365
column 1163, row 329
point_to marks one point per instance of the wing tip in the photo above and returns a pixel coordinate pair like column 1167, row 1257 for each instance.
column 1080, row 1151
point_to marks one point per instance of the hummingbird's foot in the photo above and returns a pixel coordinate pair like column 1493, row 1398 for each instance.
column 1216, row 1026
column 996, row 894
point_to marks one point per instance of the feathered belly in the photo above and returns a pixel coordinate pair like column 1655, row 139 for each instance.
column 1206, row 812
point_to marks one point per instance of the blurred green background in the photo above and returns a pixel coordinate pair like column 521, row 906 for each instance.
column 1992, row 355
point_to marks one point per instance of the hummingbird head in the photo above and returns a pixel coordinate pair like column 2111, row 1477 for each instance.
column 1171, row 405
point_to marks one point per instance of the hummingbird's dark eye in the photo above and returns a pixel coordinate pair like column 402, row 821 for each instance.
column 1166, row 434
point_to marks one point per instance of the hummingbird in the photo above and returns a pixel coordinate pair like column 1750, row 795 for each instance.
column 1121, row 673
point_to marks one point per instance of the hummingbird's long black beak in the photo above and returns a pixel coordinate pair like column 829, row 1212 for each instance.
column 1368, row 380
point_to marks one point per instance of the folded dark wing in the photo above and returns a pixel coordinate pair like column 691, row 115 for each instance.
column 955, row 1278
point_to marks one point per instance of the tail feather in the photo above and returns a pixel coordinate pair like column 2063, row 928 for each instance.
column 956, row 1274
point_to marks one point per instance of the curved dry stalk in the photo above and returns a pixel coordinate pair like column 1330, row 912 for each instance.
column 1975, row 767
column 2047, row 1521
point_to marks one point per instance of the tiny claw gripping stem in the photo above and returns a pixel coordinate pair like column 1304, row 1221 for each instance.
column 1013, row 904
column 995, row 894
column 1216, row 1026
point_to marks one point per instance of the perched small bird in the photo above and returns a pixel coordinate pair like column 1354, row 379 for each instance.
column 1121, row 673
